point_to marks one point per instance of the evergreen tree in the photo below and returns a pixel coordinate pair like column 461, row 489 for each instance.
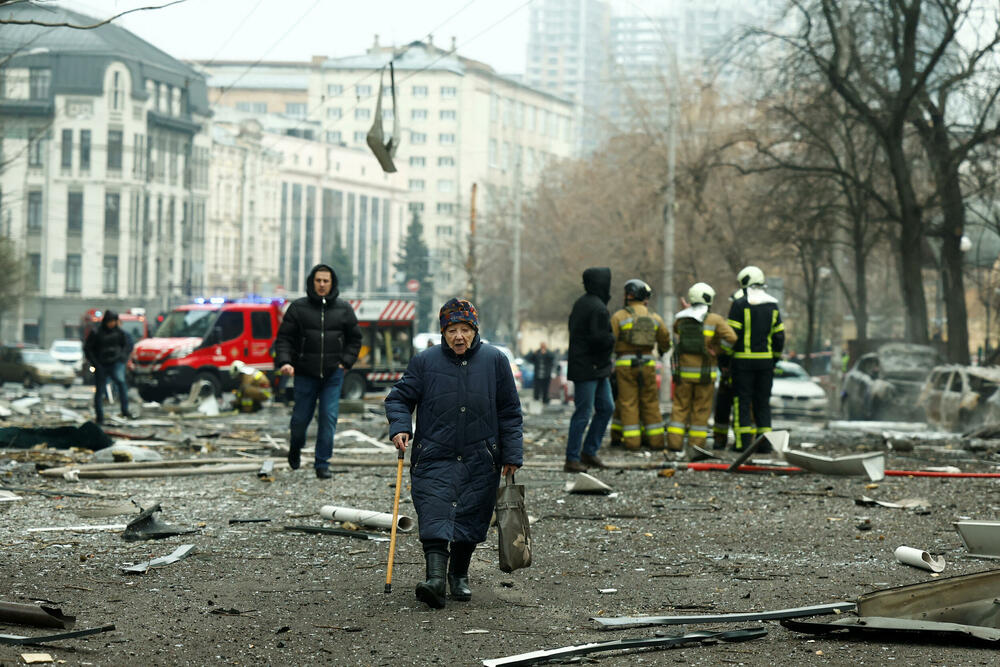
column 414, row 264
column 341, row 263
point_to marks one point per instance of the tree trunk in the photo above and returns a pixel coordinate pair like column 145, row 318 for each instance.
column 860, row 285
column 910, row 246
column 951, row 272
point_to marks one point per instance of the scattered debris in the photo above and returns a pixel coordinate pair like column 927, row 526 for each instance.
column 536, row 657
column 232, row 521
column 171, row 468
column 147, row 527
column 981, row 538
column 87, row 435
column 19, row 640
column 587, row 484
column 905, row 503
column 122, row 453
column 324, row 530
column 9, row 496
column 106, row 510
column 871, row 464
column 368, row 518
column 174, row 556
column 618, row 622
column 79, row 529
column 918, row 558
column 39, row 616
column 36, row 658
column 266, row 472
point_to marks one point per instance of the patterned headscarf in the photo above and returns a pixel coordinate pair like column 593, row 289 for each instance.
column 458, row 310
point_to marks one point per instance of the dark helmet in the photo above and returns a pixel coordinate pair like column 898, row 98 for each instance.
column 637, row 290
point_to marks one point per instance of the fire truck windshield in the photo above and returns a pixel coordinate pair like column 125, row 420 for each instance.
column 186, row 324
column 134, row 328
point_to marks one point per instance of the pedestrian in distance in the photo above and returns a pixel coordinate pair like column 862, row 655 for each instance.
column 318, row 340
column 591, row 343
column 638, row 332
column 107, row 348
column 701, row 338
column 542, row 359
column 760, row 339
column 468, row 432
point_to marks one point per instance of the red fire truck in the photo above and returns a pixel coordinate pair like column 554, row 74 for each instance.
column 200, row 341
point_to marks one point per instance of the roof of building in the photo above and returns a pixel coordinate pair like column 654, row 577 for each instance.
column 79, row 57
column 256, row 76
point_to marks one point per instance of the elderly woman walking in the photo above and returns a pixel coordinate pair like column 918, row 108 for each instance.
column 468, row 432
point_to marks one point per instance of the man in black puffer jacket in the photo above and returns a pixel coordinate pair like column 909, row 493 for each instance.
column 591, row 342
column 107, row 348
column 319, row 339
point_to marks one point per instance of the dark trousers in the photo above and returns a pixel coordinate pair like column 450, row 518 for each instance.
column 752, row 384
column 723, row 408
column 541, row 388
column 115, row 374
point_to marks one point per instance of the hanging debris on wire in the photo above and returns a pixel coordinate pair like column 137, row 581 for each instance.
column 385, row 150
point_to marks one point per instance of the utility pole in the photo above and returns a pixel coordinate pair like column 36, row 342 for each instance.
column 470, row 261
column 515, row 314
column 669, row 205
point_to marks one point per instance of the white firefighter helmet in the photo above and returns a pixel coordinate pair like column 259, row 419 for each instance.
column 750, row 275
column 236, row 368
column 701, row 293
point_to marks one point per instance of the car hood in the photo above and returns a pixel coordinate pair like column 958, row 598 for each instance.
column 50, row 368
column 796, row 389
column 151, row 349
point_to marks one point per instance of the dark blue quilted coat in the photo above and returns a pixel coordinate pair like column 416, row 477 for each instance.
column 468, row 427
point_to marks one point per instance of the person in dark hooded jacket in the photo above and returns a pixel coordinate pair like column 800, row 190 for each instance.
column 468, row 429
column 591, row 343
column 107, row 348
column 318, row 340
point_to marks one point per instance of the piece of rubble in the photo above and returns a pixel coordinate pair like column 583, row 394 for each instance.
column 871, row 464
column 174, row 556
column 918, row 558
column 148, row 527
column 981, row 538
column 39, row 616
column 369, row 518
column 587, row 484
column 617, row 622
column 86, row 436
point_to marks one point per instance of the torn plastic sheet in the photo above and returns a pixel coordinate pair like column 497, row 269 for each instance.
column 617, row 622
column 20, row 640
column 147, row 527
column 87, row 435
column 536, row 657
column 981, row 538
column 343, row 532
column 587, row 484
column 174, row 556
column 39, row 616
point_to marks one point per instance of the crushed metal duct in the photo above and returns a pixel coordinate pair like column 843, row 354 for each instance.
column 536, row 657
column 174, row 556
column 404, row 524
column 343, row 532
column 588, row 484
column 871, row 464
column 618, row 622
column 39, row 616
column 981, row 538
column 147, row 527
column 20, row 640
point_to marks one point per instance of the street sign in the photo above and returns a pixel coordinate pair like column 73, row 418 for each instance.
column 413, row 284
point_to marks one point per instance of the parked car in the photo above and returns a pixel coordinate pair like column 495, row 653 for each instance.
column 33, row 366
column 886, row 384
column 957, row 398
column 795, row 393
column 68, row 351
column 527, row 372
column 513, row 364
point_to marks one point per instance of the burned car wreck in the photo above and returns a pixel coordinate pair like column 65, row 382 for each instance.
column 958, row 398
column 885, row 385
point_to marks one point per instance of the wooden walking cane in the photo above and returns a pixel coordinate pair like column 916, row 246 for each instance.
column 395, row 519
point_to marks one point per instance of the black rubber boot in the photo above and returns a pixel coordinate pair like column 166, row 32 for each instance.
column 458, row 571
column 432, row 591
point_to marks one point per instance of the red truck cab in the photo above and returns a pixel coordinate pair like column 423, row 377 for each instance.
column 200, row 341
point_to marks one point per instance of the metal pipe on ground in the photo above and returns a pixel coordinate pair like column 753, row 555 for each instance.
column 404, row 524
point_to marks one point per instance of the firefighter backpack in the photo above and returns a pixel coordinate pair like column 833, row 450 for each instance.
column 642, row 333
column 691, row 340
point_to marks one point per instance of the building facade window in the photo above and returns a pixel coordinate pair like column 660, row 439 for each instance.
column 416, row 207
column 112, row 213
column 35, row 210
column 446, row 161
column 418, row 138
column 84, row 150
column 362, row 114
column 74, row 213
column 296, row 109
column 493, row 153
column 448, row 114
column 34, row 271
column 73, row 268
column 417, row 185
column 39, row 83
column 360, row 137
column 109, row 276
column 419, row 91
column 115, row 150
column 418, row 114
column 334, row 113
column 449, row 91
column 446, row 185
column 67, row 149
column 363, row 90
column 117, row 92
column 417, row 161
column 333, row 137
column 334, row 89
column 445, row 208
column 446, row 139
column 36, row 146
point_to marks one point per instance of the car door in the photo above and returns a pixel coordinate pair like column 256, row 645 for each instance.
column 951, row 399
column 261, row 334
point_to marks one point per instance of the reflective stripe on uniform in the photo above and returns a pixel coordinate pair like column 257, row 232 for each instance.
column 721, row 429
column 632, row 431
column 623, row 362
column 676, row 428
column 698, row 432
column 754, row 355
column 734, row 324
column 655, row 431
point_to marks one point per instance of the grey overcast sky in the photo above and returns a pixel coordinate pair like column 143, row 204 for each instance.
column 494, row 31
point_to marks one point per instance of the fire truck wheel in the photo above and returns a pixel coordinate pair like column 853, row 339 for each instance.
column 212, row 379
column 152, row 394
column 354, row 386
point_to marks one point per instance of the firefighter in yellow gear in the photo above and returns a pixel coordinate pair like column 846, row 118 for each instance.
column 638, row 331
column 701, row 336
column 253, row 389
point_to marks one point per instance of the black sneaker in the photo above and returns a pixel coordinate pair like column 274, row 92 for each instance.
column 323, row 473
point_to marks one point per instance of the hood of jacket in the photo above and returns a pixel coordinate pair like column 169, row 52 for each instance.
column 311, row 290
column 597, row 281
column 698, row 311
